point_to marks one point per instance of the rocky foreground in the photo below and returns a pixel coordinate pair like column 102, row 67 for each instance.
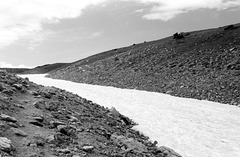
column 38, row 121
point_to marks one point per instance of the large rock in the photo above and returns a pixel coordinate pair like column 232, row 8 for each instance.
column 1, row 87
column 5, row 144
column 18, row 86
column 67, row 130
column 7, row 118
column 130, row 143
column 88, row 148
column 19, row 132
column 168, row 152
column 114, row 112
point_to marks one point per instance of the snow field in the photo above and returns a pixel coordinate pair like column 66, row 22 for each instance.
column 192, row 128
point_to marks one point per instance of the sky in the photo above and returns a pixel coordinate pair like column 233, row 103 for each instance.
column 38, row 32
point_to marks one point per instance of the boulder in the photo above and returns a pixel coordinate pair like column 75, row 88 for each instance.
column 114, row 112
column 5, row 144
column 7, row 118
column 88, row 148
column 130, row 143
column 19, row 132
column 18, row 86
column 1, row 87
column 168, row 152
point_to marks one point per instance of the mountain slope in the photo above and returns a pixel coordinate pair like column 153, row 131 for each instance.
column 45, row 68
column 201, row 64
column 37, row 70
column 15, row 70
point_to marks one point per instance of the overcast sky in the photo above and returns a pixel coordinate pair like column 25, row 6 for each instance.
column 37, row 32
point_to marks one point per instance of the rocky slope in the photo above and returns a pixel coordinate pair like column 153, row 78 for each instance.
column 37, row 70
column 45, row 68
column 37, row 121
column 202, row 64
column 15, row 70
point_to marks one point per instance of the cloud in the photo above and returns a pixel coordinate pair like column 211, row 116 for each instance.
column 96, row 34
column 7, row 65
column 36, row 38
column 168, row 9
column 20, row 18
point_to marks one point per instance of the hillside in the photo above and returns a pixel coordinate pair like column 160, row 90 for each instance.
column 45, row 68
column 15, row 70
column 37, row 70
column 43, row 121
column 201, row 64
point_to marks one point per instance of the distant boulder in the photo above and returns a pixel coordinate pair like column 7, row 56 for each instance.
column 230, row 27
column 178, row 35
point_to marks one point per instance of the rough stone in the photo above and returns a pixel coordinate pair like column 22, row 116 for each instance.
column 168, row 152
column 56, row 123
column 18, row 86
column 114, row 112
column 7, row 118
column 5, row 144
column 50, row 139
column 65, row 151
column 67, row 130
column 130, row 143
column 1, row 87
column 88, row 148
column 19, row 132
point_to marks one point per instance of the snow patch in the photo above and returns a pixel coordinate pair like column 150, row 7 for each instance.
column 193, row 128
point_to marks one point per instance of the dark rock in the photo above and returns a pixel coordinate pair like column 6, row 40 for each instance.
column 7, row 118
column 39, row 119
column 36, row 123
column 231, row 27
column 18, row 86
column 8, row 91
column 1, row 87
column 67, row 130
column 178, row 36
column 15, row 125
